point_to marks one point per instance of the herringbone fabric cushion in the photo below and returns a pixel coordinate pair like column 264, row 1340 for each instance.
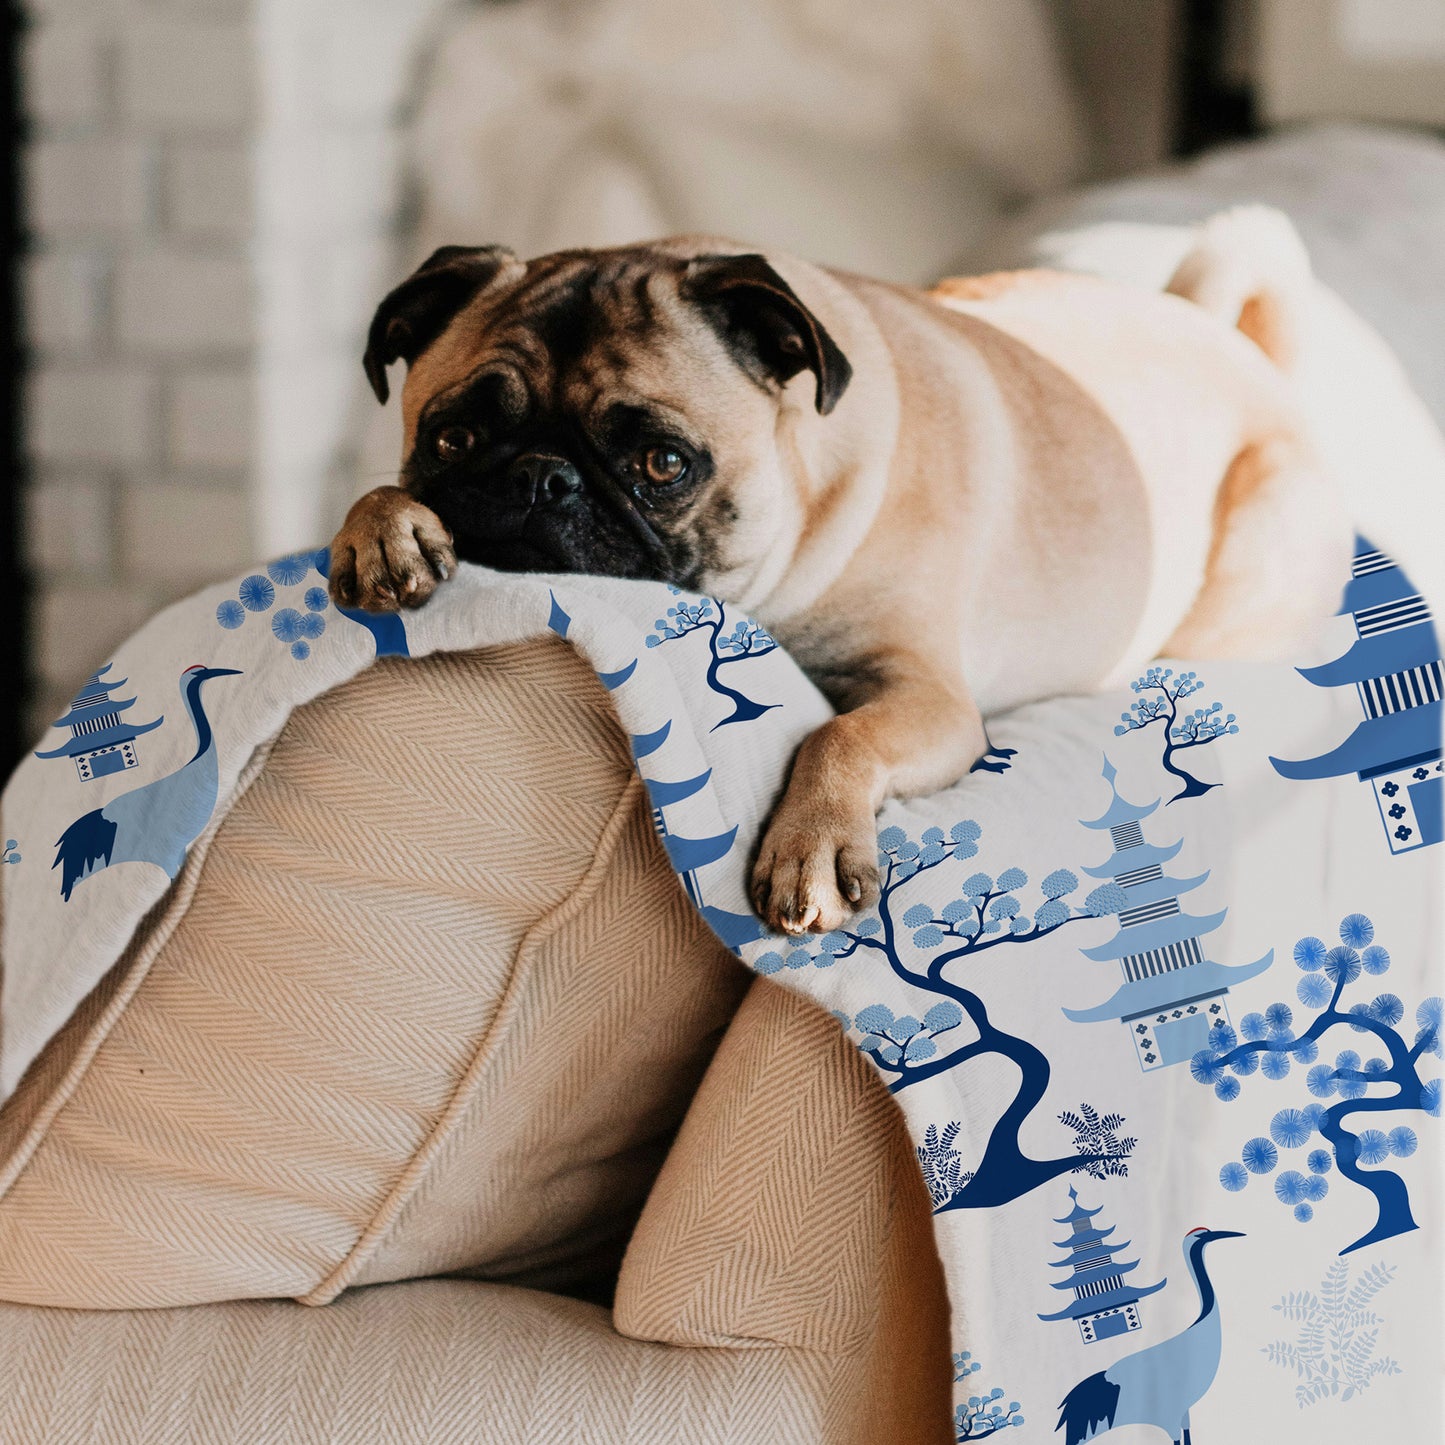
column 427, row 999
column 437, row 1362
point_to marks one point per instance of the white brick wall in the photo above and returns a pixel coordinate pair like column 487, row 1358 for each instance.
column 211, row 190
column 140, row 314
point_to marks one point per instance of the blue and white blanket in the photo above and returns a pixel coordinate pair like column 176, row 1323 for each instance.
column 1166, row 974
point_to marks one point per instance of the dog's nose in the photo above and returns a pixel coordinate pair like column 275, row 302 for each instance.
column 539, row 480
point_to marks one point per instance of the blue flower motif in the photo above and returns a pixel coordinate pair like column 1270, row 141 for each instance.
column 1431, row 1013
column 1356, row 930
column 1305, row 1051
column 1303, row 1213
column 1347, row 1059
column 1279, row 1016
column 1289, row 1128
column 1259, row 1155
column 1051, row 914
column 1012, row 878
column 917, row 916
column 977, row 884
column 1387, row 1009
column 892, row 838
column 1314, row 990
column 929, row 937
column 300, row 651
column 867, row 927
column 256, row 593
column 906, row 1027
column 1058, row 883
column 289, row 570
column 874, row 1019
column 1222, row 1037
column 798, row 958
column 1320, row 1161
column 1314, row 1116
column 230, row 614
column 1253, row 1026
column 1289, row 1187
column 1274, row 1066
column 1315, row 1187
column 316, row 599
column 1227, row 1089
column 1430, row 1098
column 1234, row 1177
column 1205, row 1067
column 1342, row 965
column 771, row 963
column 965, row 832
column 1321, row 1081
column 1309, row 953
column 1245, row 1064
column 1374, row 1146
column 1403, row 1142
column 286, row 625
column 943, row 1015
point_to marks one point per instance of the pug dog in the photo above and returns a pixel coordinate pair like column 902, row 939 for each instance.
column 944, row 504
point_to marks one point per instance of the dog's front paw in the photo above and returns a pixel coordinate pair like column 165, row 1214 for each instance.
column 816, row 868
column 390, row 553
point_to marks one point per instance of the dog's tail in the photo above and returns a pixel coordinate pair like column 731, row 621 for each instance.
column 1249, row 268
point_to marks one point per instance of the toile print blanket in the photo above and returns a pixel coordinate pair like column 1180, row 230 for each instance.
column 1157, row 987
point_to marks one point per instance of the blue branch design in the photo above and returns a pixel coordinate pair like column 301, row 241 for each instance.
column 1270, row 1045
column 1195, row 730
column 746, row 641
column 987, row 916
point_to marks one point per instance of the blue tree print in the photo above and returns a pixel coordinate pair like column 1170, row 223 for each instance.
column 11, row 853
column 1161, row 692
column 982, row 1414
column 742, row 642
column 987, row 914
column 1333, row 1354
column 1386, row 1083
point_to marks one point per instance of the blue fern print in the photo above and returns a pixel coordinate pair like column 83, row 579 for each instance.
column 1333, row 1354
column 982, row 1414
column 1388, row 1082
column 1160, row 693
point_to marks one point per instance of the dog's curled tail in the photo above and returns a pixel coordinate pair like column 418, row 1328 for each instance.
column 1249, row 268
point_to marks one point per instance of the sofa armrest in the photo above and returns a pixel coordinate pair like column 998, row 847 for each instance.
column 791, row 1212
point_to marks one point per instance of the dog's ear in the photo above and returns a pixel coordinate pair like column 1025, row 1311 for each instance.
column 418, row 310
column 765, row 325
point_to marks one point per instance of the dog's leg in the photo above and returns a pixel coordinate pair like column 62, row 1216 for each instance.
column 818, row 861
column 390, row 553
column 1279, row 555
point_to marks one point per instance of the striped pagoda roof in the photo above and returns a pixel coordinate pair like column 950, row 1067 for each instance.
column 1168, row 990
column 1160, row 933
column 1119, row 810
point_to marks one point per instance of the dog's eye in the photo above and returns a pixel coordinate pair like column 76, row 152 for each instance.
column 662, row 465
column 452, row 443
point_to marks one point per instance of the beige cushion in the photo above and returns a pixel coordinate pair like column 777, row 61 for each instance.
column 428, row 999
column 439, row 1362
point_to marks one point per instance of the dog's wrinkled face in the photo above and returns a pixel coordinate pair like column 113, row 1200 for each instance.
column 612, row 412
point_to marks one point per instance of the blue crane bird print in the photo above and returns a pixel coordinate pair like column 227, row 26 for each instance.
column 158, row 821
column 1160, row 692
column 1389, row 1082
column 1160, row 1384
column 988, row 914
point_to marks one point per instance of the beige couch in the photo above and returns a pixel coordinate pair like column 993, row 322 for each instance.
column 430, row 1002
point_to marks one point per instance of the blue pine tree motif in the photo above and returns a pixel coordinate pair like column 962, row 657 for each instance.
column 982, row 1414
column 294, row 629
column 1333, row 1354
column 1161, row 692
column 987, row 914
column 741, row 642
column 1386, row 1083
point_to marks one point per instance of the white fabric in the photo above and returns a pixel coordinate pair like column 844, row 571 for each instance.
column 1287, row 859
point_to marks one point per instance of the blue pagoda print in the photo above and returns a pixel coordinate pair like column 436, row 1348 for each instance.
column 1394, row 666
column 1104, row 1305
column 1172, row 995
column 101, row 741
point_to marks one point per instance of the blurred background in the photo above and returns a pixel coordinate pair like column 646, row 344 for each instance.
column 205, row 199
